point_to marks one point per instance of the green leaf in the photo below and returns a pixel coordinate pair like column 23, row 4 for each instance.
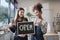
column 29, row 14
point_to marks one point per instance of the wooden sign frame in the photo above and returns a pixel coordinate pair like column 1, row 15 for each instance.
column 19, row 24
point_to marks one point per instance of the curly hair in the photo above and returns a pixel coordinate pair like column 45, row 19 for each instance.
column 38, row 7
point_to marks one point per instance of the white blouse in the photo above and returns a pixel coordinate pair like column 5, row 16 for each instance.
column 44, row 24
column 36, row 21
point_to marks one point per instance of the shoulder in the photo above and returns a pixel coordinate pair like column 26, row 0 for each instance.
column 25, row 19
column 44, row 22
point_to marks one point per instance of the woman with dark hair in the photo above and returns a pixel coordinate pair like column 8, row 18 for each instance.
column 19, row 17
column 38, row 22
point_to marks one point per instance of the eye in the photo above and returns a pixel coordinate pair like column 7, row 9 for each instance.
column 22, row 12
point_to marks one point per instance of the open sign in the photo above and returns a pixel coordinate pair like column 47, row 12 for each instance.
column 25, row 28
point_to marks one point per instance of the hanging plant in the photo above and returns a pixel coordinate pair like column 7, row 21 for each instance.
column 29, row 14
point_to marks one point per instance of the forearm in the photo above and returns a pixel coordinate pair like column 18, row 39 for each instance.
column 11, row 27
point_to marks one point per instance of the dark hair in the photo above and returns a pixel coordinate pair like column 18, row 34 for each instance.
column 21, row 9
column 38, row 7
column 17, row 14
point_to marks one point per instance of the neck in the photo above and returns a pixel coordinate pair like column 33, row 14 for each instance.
column 40, row 17
column 21, row 17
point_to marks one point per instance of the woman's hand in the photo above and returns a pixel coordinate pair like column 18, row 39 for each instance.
column 6, row 28
column 38, row 23
column 22, row 35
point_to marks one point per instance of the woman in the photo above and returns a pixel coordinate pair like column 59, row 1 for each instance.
column 19, row 17
column 38, row 22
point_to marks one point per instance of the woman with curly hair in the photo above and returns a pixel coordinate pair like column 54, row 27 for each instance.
column 37, row 22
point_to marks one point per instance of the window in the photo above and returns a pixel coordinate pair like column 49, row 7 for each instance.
column 6, row 12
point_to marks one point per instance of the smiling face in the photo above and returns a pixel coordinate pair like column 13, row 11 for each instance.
column 37, row 13
column 37, row 9
column 21, row 13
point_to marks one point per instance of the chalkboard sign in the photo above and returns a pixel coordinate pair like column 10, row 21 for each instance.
column 25, row 28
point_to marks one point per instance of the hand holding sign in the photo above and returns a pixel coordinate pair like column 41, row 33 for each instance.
column 25, row 28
